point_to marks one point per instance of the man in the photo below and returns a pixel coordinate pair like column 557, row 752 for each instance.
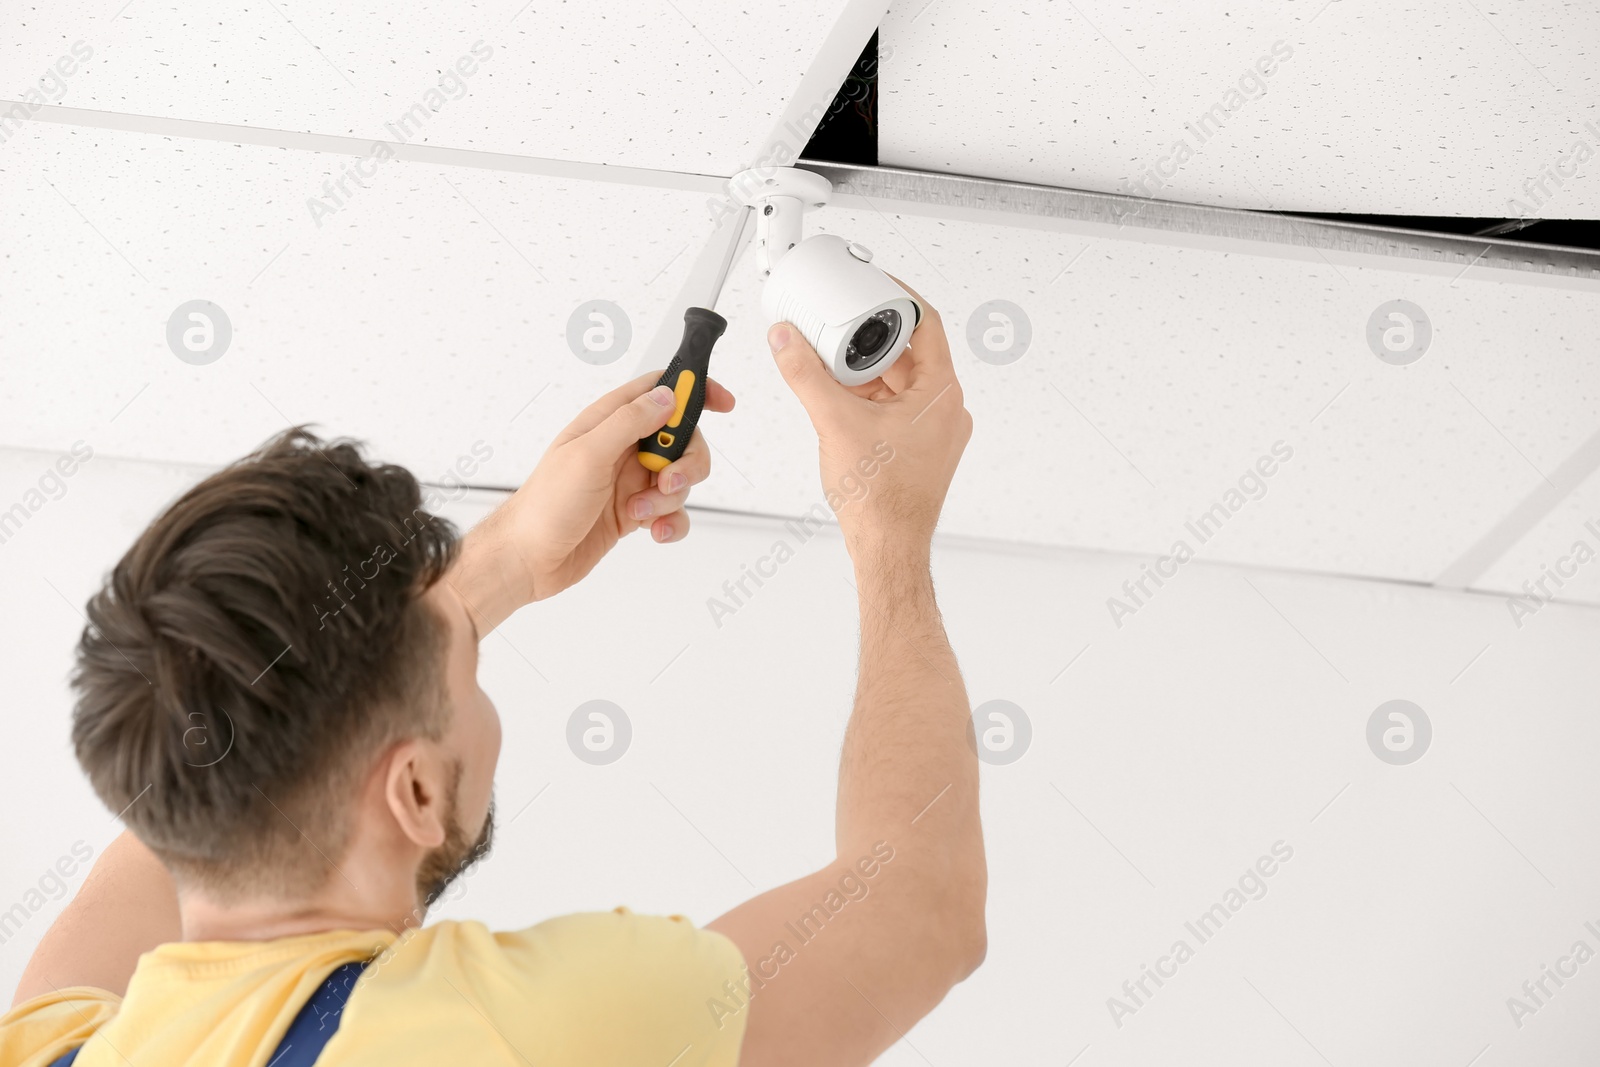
column 300, row 607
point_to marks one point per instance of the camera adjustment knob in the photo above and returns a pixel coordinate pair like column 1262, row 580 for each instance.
column 861, row 252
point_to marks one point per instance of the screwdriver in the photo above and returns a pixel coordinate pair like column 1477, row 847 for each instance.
column 702, row 326
column 686, row 374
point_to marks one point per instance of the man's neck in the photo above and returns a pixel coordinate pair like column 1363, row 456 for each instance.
column 205, row 919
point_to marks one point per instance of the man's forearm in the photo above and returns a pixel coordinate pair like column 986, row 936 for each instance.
column 489, row 575
column 909, row 775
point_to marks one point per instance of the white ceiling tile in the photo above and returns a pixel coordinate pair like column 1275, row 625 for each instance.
column 692, row 86
column 1421, row 108
column 423, row 315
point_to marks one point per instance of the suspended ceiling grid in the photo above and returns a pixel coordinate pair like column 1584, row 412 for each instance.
column 431, row 314
column 1413, row 108
column 1160, row 371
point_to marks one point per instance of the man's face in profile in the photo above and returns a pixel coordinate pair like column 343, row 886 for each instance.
column 451, row 860
column 473, row 741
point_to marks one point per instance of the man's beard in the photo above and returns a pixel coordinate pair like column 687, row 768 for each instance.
column 457, row 854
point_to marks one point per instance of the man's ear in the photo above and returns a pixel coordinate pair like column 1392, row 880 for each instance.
column 414, row 787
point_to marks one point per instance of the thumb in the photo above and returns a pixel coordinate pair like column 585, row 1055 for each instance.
column 639, row 417
column 802, row 368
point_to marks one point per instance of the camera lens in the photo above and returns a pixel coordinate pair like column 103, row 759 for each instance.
column 872, row 339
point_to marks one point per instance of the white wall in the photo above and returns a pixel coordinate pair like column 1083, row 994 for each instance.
column 1223, row 717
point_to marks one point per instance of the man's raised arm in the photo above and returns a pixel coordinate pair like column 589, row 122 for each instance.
column 844, row 961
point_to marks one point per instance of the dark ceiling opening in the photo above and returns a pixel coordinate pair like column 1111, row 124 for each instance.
column 848, row 133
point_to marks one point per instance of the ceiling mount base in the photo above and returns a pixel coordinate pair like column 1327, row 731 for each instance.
column 758, row 184
column 781, row 196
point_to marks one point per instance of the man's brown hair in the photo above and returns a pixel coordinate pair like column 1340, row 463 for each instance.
column 261, row 642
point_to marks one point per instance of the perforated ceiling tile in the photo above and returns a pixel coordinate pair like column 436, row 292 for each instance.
column 691, row 86
column 1157, row 377
column 1415, row 108
column 429, row 313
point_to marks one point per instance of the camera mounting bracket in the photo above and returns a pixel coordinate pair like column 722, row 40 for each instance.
column 781, row 197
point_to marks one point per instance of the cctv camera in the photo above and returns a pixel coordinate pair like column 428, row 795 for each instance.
column 854, row 314
column 856, row 317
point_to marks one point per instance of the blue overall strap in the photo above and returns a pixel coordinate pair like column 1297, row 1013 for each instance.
column 311, row 1029
column 318, row 1019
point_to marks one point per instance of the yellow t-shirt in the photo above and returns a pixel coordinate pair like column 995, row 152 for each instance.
column 595, row 989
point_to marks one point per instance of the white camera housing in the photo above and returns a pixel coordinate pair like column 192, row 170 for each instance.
column 855, row 316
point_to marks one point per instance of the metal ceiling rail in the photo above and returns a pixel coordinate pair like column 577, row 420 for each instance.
column 339, row 144
column 1137, row 218
column 972, row 199
column 732, row 222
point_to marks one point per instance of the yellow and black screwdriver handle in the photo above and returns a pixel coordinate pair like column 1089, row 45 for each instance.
column 687, row 376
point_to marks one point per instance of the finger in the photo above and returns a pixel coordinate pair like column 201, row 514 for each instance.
column 802, row 368
column 898, row 376
column 926, row 304
column 601, row 409
column 717, row 397
column 652, row 503
column 691, row 468
column 669, row 528
column 622, row 429
column 927, row 359
column 887, row 385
